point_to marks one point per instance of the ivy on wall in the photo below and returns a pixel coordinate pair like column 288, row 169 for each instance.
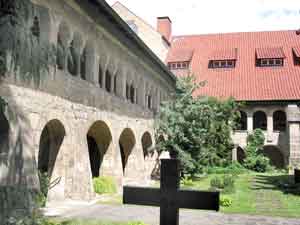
column 19, row 28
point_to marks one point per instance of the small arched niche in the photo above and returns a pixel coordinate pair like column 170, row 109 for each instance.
column 146, row 144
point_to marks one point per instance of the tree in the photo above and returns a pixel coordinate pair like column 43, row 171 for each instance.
column 197, row 129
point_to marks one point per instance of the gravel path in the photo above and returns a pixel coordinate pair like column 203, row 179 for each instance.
column 150, row 215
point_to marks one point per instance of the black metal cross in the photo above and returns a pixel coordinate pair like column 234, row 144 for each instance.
column 169, row 197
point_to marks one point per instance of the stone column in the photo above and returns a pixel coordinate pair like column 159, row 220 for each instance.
column 112, row 84
column 234, row 154
column 293, row 118
column 250, row 122
column 269, row 127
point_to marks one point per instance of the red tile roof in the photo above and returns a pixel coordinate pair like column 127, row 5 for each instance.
column 223, row 54
column 269, row 53
column 245, row 82
column 181, row 55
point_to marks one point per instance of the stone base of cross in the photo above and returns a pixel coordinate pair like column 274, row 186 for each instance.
column 169, row 197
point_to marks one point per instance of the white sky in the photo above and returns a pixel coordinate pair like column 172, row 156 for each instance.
column 219, row 16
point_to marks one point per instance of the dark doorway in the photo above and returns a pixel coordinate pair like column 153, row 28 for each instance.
column 146, row 143
column 240, row 155
column 95, row 156
column 99, row 140
column 126, row 143
column 275, row 156
column 260, row 120
column 50, row 142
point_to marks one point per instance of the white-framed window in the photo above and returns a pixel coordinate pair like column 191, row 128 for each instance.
column 271, row 62
column 222, row 63
column 178, row 65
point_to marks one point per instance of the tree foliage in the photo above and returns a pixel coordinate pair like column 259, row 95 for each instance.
column 197, row 129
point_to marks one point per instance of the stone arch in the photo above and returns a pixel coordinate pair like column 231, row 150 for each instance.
column 63, row 38
column 51, row 139
column 127, row 143
column 241, row 154
column 4, row 133
column 99, row 140
column 243, row 121
column 274, row 154
column 260, row 120
column 146, row 143
column 279, row 120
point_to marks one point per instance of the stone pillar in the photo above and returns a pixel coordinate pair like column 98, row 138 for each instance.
column 234, row 154
column 250, row 122
column 269, row 127
column 90, row 64
column 112, row 84
column 141, row 95
column 293, row 118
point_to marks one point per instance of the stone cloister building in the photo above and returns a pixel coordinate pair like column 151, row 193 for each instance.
column 79, row 91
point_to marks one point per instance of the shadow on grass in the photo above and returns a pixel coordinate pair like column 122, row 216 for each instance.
column 283, row 183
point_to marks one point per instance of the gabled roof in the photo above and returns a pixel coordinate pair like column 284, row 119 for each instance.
column 245, row 82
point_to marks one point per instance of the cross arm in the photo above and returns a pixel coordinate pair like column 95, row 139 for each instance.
column 190, row 199
column 141, row 196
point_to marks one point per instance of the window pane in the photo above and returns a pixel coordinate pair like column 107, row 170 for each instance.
column 271, row 62
column 223, row 63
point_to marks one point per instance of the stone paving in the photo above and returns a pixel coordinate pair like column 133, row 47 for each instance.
column 150, row 215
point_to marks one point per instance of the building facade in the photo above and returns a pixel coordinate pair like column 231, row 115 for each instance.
column 78, row 95
column 260, row 69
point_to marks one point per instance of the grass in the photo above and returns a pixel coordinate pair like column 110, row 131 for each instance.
column 259, row 194
column 92, row 222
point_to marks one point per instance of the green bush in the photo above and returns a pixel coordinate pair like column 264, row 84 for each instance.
column 258, row 163
column 233, row 168
column 41, row 196
column 186, row 181
column 216, row 182
column 224, row 184
column 104, row 185
column 225, row 201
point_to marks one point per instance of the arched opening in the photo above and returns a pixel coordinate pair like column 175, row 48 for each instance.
column 100, row 76
column 260, row 120
column 279, row 121
column 242, row 123
column 240, row 155
column 83, row 65
column 126, row 143
column 115, row 84
column 50, row 142
column 4, row 133
column 149, row 101
column 108, row 81
column 127, row 91
column 62, row 48
column 35, row 29
column 146, row 144
column 72, row 62
column 99, row 139
column 132, row 94
column 274, row 154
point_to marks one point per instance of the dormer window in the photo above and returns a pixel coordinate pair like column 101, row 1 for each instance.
column 269, row 57
column 178, row 65
column 221, row 64
column 296, row 55
column 223, row 58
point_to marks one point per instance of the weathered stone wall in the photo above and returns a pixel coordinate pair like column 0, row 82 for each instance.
column 68, row 90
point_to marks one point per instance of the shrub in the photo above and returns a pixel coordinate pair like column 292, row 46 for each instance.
column 216, row 182
column 233, row 168
column 104, row 185
column 225, row 201
column 186, row 181
column 225, row 184
column 255, row 160
column 41, row 196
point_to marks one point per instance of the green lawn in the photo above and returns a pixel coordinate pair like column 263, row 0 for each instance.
column 90, row 222
column 260, row 194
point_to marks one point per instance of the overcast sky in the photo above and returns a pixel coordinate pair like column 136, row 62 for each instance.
column 218, row 16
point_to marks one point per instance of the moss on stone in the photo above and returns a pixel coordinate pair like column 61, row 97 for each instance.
column 30, row 56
